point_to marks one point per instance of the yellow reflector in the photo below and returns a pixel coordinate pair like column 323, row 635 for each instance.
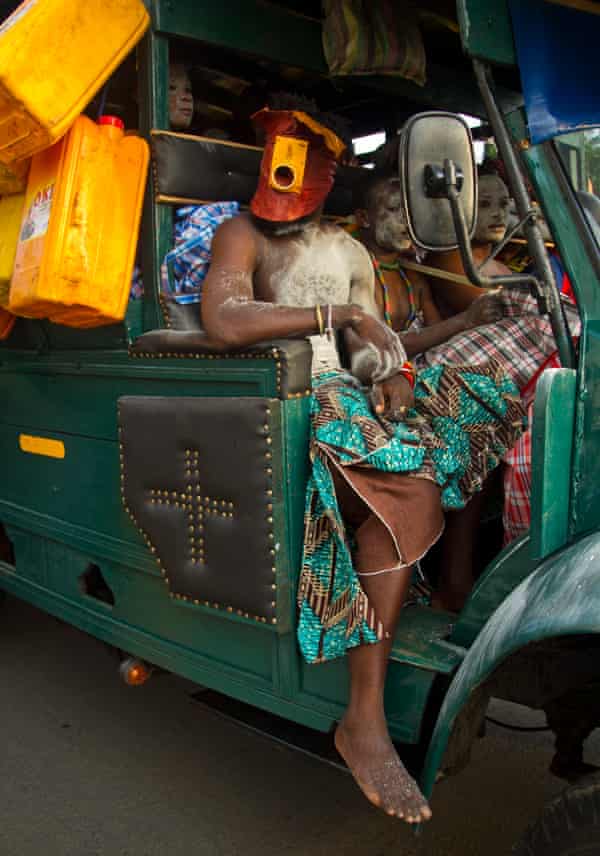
column 42, row 446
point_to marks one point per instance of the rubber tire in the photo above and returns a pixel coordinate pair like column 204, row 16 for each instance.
column 569, row 824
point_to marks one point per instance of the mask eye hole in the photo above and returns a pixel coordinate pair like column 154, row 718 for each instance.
column 284, row 176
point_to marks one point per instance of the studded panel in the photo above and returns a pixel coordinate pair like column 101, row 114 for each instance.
column 196, row 479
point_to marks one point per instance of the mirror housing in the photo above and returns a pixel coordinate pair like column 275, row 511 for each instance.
column 427, row 141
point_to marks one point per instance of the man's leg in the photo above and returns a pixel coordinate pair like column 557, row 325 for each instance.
column 362, row 737
column 457, row 577
column 457, row 573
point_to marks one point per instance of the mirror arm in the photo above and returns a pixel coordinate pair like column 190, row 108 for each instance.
column 546, row 290
column 464, row 241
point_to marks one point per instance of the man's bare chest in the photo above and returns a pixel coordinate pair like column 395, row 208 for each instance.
column 304, row 272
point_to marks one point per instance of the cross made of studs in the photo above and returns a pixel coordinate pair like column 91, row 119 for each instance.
column 196, row 506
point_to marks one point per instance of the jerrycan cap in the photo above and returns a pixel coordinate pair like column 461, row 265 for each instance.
column 112, row 120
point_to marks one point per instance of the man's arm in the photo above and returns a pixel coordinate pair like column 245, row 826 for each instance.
column 484, row 310
column 231, row 315
column 391, row 392
column 436, row 330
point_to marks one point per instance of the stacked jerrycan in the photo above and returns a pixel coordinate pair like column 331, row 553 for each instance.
column 73, row 244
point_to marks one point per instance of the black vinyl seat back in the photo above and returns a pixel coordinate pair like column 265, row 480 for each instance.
column 190, row 170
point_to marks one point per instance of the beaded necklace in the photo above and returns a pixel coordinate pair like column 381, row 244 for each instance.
column 379, row 267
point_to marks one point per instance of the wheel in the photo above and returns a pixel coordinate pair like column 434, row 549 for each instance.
column 568, row 825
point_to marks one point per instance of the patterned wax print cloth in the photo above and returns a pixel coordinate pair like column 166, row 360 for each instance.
column 185, row 266
column 523, row 343
column 520, row 342
column 464, row 420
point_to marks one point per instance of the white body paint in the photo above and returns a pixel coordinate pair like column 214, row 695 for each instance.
column 322, row 267
column 326, row 266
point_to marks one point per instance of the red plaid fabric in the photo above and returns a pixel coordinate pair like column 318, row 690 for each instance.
column 516, row 515
column 520, row 342
column 523, row 343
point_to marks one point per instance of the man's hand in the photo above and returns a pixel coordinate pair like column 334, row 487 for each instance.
column 383, row 353
column 393, row 398
column 484, row 310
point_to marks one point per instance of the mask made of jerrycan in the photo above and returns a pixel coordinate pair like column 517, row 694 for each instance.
column 80, row 225
column 11, row 211
column 54, row 56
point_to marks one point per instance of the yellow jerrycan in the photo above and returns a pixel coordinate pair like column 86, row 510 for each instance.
column 80, row 223
column 11, row 210
column 13, row 178
column 54, row 56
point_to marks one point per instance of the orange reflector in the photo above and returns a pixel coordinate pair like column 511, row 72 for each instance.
column 135, row 672
column 41, row 446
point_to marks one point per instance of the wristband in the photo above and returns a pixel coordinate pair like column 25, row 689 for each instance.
column 408, row 370
column 329, row 327
column 319, row 316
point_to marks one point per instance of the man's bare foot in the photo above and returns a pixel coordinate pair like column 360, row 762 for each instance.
column 379, row 772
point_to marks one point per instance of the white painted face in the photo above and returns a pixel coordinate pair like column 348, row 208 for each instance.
column 387, row 217
column 181, row 102
column 492, row 210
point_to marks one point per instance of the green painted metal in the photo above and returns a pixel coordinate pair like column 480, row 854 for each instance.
column 40, row 336
column 421, row 640
column 206, row 655
column 551, row 450
column 250, row 27
column 507, row 570
column 545, row 173
column 486, row 31
column 561, row 598
column 156, row 232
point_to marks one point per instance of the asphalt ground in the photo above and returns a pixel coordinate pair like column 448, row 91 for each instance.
column 90, row 767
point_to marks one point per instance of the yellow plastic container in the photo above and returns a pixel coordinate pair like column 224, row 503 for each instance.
column 80, row 224
column 13, row 178
column 54, row 56
column 11, row 212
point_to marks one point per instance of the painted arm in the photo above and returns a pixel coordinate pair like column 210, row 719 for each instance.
column 484, row 310
column 374, row 365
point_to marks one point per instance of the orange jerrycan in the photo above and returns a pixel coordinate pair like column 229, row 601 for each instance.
column 7, row 322
column 80, row 224
column 54, row 56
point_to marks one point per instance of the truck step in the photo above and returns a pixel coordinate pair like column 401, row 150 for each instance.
column 421, row 640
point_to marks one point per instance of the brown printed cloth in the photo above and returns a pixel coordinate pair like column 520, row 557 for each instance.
column 464, row 420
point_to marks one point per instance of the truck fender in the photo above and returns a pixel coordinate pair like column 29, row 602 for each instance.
column 560, row 598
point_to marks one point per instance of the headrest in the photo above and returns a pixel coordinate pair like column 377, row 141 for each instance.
column 189, row 169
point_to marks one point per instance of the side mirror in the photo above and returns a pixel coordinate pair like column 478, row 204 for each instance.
column 427, row 142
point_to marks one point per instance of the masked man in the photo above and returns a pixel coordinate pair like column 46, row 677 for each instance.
column 281, row 272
